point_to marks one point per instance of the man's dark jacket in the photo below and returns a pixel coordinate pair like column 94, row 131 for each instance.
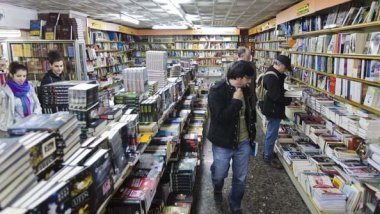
column 274, row 100
column 224, row 110
column 50, row 77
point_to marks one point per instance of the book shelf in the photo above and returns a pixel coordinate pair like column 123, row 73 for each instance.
column 305, row 197
column 199, row 48
column 321, row 58
column 108, row 53
column 33, row 54
column 128, row 169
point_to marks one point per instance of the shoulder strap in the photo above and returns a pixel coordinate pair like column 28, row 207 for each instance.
column 271, row 72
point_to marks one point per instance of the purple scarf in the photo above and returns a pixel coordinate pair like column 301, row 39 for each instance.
column 21, row 92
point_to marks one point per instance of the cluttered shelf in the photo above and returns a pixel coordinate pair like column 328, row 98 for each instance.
column 308, row 201
column 142, row 147
column 340, row 99
column 271, row 50
column 377, row 84
column 353, row 56
column 99, row 51
column 270, row 41
column 339, row 29
column 196, row 41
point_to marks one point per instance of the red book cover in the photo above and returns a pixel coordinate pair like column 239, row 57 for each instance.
column 332, row 85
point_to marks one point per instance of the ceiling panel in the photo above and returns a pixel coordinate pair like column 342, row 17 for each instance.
column 240, row 13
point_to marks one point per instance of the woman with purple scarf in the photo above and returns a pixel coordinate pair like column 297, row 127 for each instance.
column 17, row 97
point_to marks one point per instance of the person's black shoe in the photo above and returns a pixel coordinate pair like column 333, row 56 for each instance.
column 218, row 196
column 274, row 163
column 234, row 210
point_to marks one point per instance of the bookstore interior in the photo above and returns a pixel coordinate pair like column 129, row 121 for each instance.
column 122, row 131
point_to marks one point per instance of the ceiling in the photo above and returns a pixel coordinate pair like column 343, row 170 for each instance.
column 215, row 13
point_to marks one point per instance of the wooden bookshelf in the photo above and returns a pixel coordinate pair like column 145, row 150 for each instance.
column 372, row 83
column 142, row 147
column 352, row 56
column 370, row 25
column 271, row 41
column 270, row 50
column 340, row 99
column 203, row 41
column 202, row 49
column 305, row 197
column 110, row 50
column 154, row 42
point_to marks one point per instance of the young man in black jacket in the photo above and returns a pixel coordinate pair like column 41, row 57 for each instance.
column 232, row 130
column 56, row 68
column 274, row 105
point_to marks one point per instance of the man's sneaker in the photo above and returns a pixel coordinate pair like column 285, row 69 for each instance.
column 218, row 196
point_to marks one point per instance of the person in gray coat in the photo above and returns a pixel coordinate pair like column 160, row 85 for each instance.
column 17, row 97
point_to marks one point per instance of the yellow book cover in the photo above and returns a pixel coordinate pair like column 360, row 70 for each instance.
column 145, row 138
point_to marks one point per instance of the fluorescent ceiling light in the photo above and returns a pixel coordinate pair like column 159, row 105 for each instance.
column 183, row 1
column 169, row 27
column 192, row 17
column 129, row 19
column 10, row 33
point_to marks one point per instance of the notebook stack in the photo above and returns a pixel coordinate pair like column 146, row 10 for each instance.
column 135, row 79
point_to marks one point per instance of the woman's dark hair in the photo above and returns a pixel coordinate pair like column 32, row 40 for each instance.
column 54, row 56
column 240, row 69
column 15, row 66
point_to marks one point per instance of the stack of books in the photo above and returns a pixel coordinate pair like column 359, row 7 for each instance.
column 55, row 96
column 374, row 159
column 130, row 99
column 151, row 109
column 175, row 71
column 78, row 188
column 153, row 86
column 83, row 96
column 136, row 193
column 156, row 66
column 16, row 173
column 62, row 124
column 182, row 176
column 135, row 79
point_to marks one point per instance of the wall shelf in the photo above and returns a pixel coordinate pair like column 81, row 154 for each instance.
column 339, row 29
column 340, row 99
column 352, row 56
column 376, row 84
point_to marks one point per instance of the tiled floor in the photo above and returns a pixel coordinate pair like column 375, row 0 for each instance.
column 268, row 190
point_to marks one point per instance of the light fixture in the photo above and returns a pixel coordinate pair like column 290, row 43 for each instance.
column 129, row 19
column 169, row 27
column 10, row 33
column 191, row 17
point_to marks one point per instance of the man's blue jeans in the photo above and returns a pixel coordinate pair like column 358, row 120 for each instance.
column 271, row 137
column 221, row 165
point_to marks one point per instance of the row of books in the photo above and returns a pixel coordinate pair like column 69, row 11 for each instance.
column 157, row 39
column 360, row 123
column 110, row 36
column 343, row 15
column 324, row 176
column 342, row 43
column 269, row 45
column 206, row 45
column 347, row 89
column 265, row 36
column 41, row 49
column 363, row 69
